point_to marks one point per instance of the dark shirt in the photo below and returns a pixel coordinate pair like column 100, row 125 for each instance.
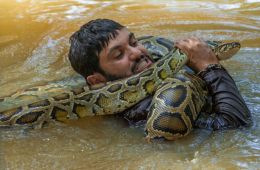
column 229, row 110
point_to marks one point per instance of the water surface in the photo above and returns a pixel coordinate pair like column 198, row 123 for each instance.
column 33, row 51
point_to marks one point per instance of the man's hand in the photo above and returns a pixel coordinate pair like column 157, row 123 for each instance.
column 198, row 52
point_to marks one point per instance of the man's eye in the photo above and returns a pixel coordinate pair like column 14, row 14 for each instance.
column 118, row 55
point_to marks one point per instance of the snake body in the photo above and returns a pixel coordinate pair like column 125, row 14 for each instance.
column 34, row 106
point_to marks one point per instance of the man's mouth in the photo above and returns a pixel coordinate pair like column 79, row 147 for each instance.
column 142, row 64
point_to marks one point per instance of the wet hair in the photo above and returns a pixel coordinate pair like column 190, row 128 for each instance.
column 88, row 42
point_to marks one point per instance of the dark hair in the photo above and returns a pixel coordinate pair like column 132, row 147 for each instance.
column 88, row 42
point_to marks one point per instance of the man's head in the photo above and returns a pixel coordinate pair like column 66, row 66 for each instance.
column 103, row 50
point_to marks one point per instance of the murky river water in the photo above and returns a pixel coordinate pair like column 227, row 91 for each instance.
column 33, row 49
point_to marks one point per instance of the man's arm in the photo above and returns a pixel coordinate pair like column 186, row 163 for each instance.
column 229, row 109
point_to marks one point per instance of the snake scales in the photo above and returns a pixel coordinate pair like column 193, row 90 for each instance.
column 176, row 101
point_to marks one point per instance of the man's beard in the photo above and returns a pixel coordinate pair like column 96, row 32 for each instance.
column 111, row 77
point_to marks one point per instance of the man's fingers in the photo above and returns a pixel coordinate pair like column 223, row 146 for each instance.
column 189, row 45
column 182, row 46
column 198, row 52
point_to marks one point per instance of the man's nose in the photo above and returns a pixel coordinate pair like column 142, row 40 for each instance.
column 134, row 53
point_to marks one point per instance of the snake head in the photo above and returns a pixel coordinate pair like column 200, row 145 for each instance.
column 227, row 50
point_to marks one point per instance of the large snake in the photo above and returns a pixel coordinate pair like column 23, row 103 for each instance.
column 175, row 105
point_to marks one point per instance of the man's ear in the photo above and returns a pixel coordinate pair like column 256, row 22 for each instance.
column 96, row 78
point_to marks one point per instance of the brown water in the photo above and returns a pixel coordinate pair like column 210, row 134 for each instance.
column 33, row 49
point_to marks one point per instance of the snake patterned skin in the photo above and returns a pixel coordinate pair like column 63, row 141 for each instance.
column 175, row 106
column 178, row 101
column 174, row 101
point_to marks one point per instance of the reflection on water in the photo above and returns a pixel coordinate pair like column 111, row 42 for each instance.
column 33, row 48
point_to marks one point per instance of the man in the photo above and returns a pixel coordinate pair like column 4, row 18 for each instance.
column 103, row 50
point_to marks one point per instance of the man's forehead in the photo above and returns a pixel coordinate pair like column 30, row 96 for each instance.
column 123, row 34
column 122, row 37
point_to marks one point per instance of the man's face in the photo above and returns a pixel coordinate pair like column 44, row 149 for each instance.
column 124, row 56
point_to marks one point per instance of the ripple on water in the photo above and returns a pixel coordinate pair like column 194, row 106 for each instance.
column 252, row 1
column 109, row 143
